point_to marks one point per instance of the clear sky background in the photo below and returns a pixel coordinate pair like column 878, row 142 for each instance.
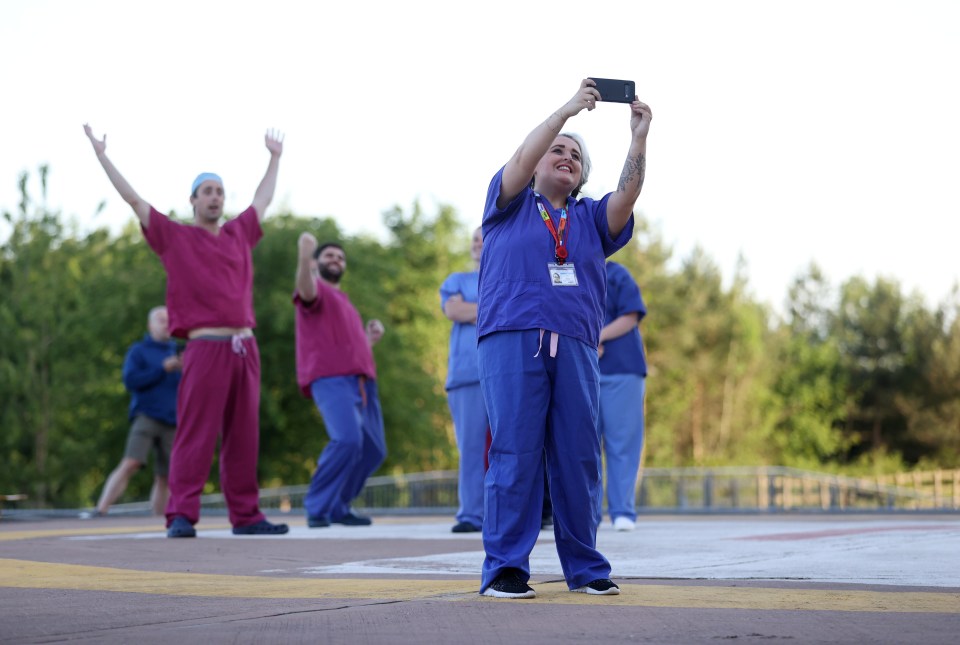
column 785, row 132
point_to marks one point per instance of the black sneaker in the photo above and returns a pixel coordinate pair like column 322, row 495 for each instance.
column 263, row 527
column 317, row 521
column 465, row 527
column 351, row 519
column 509, row 585
column 600, row 587
column 180, row 527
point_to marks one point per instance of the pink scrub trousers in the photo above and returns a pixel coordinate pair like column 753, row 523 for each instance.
column 219, row 397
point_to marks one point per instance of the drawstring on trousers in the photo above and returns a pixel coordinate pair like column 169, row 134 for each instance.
column 554, row 340
column 362, row 384
column 236, row 344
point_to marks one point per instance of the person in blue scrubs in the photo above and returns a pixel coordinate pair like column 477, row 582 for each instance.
column 540, row 309
column 458, row 300
column 623, row 373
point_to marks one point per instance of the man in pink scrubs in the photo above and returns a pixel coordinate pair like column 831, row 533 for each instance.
column 335, row 366
column 210, row 302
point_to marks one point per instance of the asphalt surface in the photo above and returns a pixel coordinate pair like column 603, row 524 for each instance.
column 684, row 579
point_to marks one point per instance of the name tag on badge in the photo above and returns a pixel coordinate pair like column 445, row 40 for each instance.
column 562, row 275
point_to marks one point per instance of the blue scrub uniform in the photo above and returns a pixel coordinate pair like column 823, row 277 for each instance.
column 536, row 400
column 466, row 401
column 623, row 371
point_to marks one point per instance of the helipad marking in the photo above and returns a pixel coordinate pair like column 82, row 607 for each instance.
column 828, row 533
column 24, row 574
column 6, row 536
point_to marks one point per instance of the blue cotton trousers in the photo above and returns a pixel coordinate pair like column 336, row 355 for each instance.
column 621, row 429
column 350, row 407
column 470, row 425
column 536, row 402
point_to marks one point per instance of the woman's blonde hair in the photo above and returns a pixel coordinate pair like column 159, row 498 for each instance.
column 585, row 164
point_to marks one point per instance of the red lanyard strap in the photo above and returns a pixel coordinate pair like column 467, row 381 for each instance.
column 560, row 250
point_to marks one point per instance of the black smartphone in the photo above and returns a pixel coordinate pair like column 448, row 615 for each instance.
column 615, row 90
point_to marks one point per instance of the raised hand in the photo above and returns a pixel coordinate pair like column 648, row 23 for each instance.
column 640, row 116
column 306, row 245
column 99, row 145
column 273, row 139
column 585, row 98
column 374, row 331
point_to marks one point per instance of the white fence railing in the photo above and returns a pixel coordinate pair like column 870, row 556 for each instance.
column 704, row 490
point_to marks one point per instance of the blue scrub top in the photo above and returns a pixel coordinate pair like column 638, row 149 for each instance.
column 624, row 354
column 516, row 292
column 462, row 365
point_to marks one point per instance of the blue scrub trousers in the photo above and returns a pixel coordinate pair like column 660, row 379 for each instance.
column 470, row 425
column 536, row 403
column 351, row 413
column 621, row 428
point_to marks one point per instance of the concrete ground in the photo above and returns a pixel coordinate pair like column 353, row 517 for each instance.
column 685, row 579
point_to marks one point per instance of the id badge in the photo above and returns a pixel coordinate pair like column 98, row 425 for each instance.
column 562, row 275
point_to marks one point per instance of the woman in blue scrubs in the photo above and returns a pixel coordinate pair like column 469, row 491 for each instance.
column 541, row 305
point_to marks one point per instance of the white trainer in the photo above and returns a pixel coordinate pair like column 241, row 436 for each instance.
column 623, row 524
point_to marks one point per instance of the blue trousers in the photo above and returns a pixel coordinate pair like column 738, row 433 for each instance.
column 538, row 403
column 470, row 425
column 351, row 413
column 621, row 428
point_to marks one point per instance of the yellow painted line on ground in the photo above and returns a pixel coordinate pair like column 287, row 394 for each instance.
column 6, row 536
column 44, row 575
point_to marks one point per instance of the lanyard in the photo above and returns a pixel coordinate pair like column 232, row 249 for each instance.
column 559, row 250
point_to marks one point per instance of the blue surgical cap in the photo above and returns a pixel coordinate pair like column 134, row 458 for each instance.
column 205, row 176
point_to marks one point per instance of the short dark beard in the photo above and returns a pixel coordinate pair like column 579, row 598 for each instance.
column 325, row 273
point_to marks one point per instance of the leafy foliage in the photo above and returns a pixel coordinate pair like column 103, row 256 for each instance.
column 859, row 377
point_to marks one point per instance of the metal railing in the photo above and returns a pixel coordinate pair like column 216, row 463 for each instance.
column 415, row 493
column 776, row 489
column 745, row 489
column 762, row 489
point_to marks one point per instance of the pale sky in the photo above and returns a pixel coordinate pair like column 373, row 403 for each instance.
column 785, row 132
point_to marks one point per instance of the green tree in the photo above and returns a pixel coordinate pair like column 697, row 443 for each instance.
column 397, row 282
column 931, row 400
column 868, row 328
column 708, row 378
column 866, row 378
column 412, row 358
column 810, row 384
column 71, row 307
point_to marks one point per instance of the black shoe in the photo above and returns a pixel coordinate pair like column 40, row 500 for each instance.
column 263, row 527
column 317, row 521
column 509, row 585
column 465, row 527
column 546, row 524
column 180, row 527
column 600, row 587
column 350, row 519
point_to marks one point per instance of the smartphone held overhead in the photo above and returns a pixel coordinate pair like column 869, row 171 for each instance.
column 615, row 90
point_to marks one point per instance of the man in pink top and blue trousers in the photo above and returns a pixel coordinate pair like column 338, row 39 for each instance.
column 335, row 366
column 210, row 302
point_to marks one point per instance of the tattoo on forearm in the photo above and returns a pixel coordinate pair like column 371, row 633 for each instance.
column 633, row 170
